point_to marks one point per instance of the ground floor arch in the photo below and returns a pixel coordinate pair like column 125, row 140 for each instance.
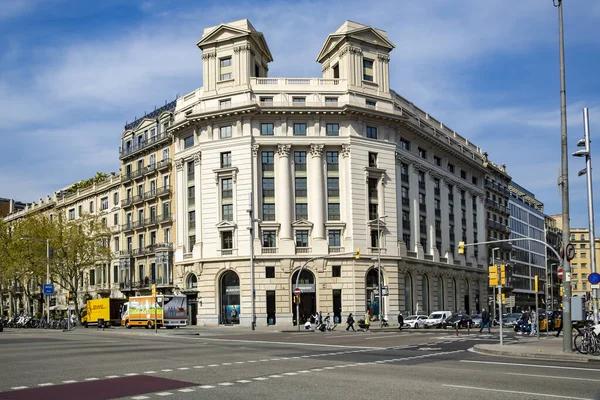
column 372, row 293
column 229, row 290
column 308, row 296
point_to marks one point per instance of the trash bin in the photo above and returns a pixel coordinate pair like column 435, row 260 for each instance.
column 100, row 323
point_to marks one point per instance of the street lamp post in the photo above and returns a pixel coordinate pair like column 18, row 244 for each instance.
column 47, row 241
column 494, row 287
column 585, row 142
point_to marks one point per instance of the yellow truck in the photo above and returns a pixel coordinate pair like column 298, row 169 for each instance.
column 107, row 310
column 166, row 310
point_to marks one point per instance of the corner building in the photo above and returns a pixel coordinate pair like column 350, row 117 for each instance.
column 329, row 165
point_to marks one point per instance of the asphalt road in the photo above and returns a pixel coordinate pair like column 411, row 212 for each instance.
column 230, row 363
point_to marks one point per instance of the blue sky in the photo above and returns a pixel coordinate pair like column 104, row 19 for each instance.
column 73, row 72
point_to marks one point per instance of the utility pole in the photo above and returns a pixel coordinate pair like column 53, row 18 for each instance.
column 494, row 287
column 251, row 229
column 564, row 182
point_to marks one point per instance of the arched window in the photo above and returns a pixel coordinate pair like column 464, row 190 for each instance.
column 371, row 289
column 192, row 282
column 441, row 294
column 230, row 298
column 582, row 237
column 408, row 293
column 425, row 292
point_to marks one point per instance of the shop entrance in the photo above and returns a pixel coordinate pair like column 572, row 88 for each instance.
column 271, row 307
column 230, row 299
column 308, row 298
column 371, row 289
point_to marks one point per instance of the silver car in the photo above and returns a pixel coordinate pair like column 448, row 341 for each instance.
column 414, row 321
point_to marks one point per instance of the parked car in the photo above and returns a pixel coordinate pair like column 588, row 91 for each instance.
column 510, row 320
column 436, row 319
column 414, row 321
column 463, row 321
column 476, row 321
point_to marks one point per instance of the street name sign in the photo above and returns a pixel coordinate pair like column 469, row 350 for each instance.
column 48, row 289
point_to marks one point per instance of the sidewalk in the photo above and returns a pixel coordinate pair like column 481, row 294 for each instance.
column 543, row 348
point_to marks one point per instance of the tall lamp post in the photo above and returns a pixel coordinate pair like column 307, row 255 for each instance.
column 564, row 183
column 586, row 152
column 494, row 287
column 47, row 241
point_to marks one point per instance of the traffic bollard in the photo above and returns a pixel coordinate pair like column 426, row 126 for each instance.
column 457, row 329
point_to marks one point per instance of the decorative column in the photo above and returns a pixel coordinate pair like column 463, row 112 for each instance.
column 283, row 207
column 198, row 203
column 316, row 198
column 255, row 197
column 429, row 198
column 470, row 231
column 181, row 209
column 457, row 221
column 346, row 201
column 481, row 229
column 445, row 207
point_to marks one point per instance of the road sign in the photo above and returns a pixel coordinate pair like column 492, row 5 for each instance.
column 570, row 251
column 48, row 289
column 594, row 278
column 53, row 302
column 297, row 291
column 559, row 273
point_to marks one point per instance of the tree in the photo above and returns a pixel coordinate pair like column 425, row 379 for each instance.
column 78, row 245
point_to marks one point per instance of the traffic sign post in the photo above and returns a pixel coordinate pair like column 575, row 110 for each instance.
column 570, row 249
column 297, row 291
column 559, row 273
column 48, row 289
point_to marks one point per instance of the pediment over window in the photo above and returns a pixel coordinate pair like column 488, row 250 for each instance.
column 226, row 226
column 335, row 225
column 230, row 172
column 302, row 224
column 356, row 32
column 373, row 223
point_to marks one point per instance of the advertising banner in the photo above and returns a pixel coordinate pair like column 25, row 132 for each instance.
column 175, row 307
column 143, row 308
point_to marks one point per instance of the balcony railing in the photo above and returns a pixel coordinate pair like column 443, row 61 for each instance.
column 269, row 250
column 333, row 217
column 164, row 218
column 138, row 198
column 163, row 164
column 127, row 226
column 163, row 190
column 303, row 250
column 150, row 194
column 228, row 252
column 301, row 216
column 126, row 202
column 336, row 249
column 142, row 144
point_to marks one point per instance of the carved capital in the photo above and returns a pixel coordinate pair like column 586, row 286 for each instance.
column 242, row 48
column 383, row 58
column 255, row 149
column 197, row 158
column 316, row 150
column 345, row 150
column 284, row 150
column 179, row 164
column 206, row 56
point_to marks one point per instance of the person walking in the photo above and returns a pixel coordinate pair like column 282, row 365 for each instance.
column 400, row 321
column 367, row 320
column 350, row 322
column 524, row 323
column 485, row 320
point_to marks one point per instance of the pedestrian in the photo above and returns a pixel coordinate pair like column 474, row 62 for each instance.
column 560, row 325
column 534, row 321
column 524, row 323
column 485, row 320
column 367, row 320
column 328, row 322
column 350, row 322
column 400, row 321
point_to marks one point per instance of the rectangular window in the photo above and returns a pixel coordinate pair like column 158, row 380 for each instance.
column 71, row 214
column 404, row 172
column 474, row 180
column 299, row 101
column 104, row 203
column 373, row 211
column 331, row 100
column 300, row 187
column 301, row 238
column 191, row 193
column 450, row 168
column 463, row 174
column 91, row 206
column 333, row 187
column 266, row 129
column 225, row 132
column 115, row 274
column 190, row 170
column 336, row 271
column 300, row 160
column 371, row 132
column 80, row 210
column 372, row 160
column 116, row 219
column 268, row 158
column 226, row 159
column 188, row 142
column 266, row 100
column 269, row 239
column 227, row 212
column 405, row 197
column 404, row 144
column 332, row 161
column 269, row 272
column 227, row 188
column 406, row 219
column 335, row 238
column 333, row 129
column 422, row 153
column 268, row 212
column 227, row 240
column 225, row 103
column 437, row 161
column 333, row 211
column 301, row 211
column 300, row 129
column 226, row 69
column 268, row 187
column 191, row 243
column 115, row 198
column 370, row 103
column 367, row 70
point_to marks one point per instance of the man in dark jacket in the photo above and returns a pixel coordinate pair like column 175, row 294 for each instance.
column 350, row 322
column 400, row 321
column 485, row 320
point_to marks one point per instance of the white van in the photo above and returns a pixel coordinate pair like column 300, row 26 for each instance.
column 436, row 319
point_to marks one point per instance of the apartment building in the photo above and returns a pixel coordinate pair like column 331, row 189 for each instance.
column 581, row 265
column 327, row 165
column 145, row 243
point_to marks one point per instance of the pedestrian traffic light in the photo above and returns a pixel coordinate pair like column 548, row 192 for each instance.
column 537, row 283
column 561, row 291
column 493, row 275
column 357, row 255
column 461, row 247
column 503, row 275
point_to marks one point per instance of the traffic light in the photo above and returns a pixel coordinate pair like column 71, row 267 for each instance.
column 357, row 255
column 537, row 283
column 503, row 298
column 461, row 247
column 503, row 275
column 70, row 296
column 493, row 275
column 561, row 291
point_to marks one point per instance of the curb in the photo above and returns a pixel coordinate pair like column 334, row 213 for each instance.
column 561, row 357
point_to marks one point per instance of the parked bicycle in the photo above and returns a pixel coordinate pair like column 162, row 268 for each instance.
column 587, row 340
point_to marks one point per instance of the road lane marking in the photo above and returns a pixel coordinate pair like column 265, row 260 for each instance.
column 187, row 390
column 198, row 366
column 225, row 363
column 182, row 368
column 146, row 372
column 225, row 384
column 18, row 387
column 213, row 365
column 240, row 362
column 553, row 377
column 275, row 376
column 91, row 379
column 163, row 394
column 244, row 381
column 530, row 365
column 132, row 374
column 71, row 381
column 45, row 384
column 294, row 344
column 206, row 387
column 260, row 378
column 166, row 370
column 290, row 373
column 140, row 397
column 534, row 395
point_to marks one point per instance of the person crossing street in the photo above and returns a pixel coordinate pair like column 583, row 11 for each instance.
column 485, row 320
